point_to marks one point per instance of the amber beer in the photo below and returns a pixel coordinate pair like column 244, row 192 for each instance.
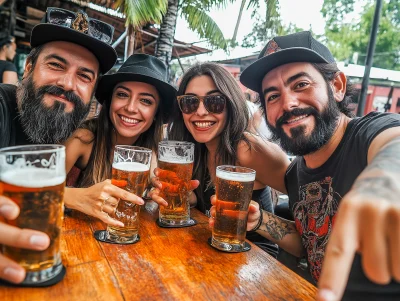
column 34, row 178
column 175, row 179
column 132, row 177
column 234, row 187
column 175, row 163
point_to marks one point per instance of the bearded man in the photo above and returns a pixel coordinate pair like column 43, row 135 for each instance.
column 70, row 52
column 344, row 185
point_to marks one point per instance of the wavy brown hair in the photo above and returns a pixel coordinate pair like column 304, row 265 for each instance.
column 100, row 162
column 237, row 121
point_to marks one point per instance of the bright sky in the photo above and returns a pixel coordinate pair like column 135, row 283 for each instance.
column 305, row 14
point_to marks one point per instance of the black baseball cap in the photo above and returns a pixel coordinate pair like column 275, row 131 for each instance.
column 63, row 25
column 281, row 50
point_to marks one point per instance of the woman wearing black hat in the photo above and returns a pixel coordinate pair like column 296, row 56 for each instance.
column 211, row 111
column 134, row 101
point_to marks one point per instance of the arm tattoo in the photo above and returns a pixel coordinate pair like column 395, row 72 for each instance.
column 381, row 177
column 276, row 227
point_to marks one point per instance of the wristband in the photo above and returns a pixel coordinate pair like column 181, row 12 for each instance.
column 259, row 222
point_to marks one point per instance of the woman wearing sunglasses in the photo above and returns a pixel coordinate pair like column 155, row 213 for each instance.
column 211, row 112
column 134, row 101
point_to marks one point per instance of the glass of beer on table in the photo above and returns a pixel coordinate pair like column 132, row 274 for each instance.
column 130, row 171
column 33, row 176
column 234, row 187
column 175, row 161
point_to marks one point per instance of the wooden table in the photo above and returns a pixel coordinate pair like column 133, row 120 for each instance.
column 167, row 264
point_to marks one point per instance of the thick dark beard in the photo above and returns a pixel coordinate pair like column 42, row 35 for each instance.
column 45, row 125
column 301, row 144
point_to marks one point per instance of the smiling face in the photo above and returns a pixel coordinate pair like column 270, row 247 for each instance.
column 300, row 107
column 133, row 108
column 204, row 126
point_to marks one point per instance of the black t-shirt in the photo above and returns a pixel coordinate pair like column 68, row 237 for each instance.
column 11, row 132
column 315, row 194
column 6, row 66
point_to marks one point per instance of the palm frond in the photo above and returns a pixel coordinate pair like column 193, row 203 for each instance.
column 208, row 4
column 200, row 22
column 140, row 12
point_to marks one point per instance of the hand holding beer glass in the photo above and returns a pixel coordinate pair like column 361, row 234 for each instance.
column 234, row 187
column 33, row 177
column 130, row 171
column 175, row 163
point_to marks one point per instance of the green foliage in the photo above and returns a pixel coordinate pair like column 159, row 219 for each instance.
column 348, row 41
column 200, row 22
column 141, row 12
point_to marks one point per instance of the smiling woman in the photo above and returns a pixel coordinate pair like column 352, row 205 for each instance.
column 134, row 101
column 211, row 111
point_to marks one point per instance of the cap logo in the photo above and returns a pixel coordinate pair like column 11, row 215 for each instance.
column 81, row 23
column 272, row 47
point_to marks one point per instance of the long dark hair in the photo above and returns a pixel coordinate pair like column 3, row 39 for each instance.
column 237, row 121
column 100, row 162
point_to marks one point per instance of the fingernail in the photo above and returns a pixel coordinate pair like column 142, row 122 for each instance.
column 15, row 275
column 326, row 295
column 120, row 224
column 7, row 210
column 141, row 201
column 39, row 241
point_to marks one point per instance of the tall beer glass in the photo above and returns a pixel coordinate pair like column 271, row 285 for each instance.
column 234, row 187
column 175, row 160
column 130, row 171
column 33, row 176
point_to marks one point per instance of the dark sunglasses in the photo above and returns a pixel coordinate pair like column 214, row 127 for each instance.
column 80, row 22
column 214, row 104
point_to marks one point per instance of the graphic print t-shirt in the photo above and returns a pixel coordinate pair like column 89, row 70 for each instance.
column 315, row 194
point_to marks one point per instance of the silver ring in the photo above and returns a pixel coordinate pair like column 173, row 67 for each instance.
column 104, row 202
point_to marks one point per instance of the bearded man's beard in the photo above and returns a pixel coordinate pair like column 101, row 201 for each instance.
column 47, row 125
column 300, row 143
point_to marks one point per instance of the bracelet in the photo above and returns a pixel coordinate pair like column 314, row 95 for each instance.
column 259, row 222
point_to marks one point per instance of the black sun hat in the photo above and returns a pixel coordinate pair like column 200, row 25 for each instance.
column 297, row 47
column 63, row 25
column 140, row 68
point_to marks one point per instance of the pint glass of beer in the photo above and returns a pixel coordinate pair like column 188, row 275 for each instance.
column 130, row 171
column 234, row 187
column 175, row 161
column 33, row 176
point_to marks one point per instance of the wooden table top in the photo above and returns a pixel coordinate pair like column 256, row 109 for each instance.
column 167, row 264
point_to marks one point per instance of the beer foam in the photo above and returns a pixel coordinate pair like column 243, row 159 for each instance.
column 131, row 166
column 176, row 161
column 236, row 176
column 32, row 177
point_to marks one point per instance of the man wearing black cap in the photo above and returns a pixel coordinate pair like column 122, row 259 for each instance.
column 69, row 53
column 8, row 72
column 344, row 186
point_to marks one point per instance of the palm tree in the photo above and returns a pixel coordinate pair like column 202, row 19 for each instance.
column 272, row 17
column 138, row 13
column 194, row 11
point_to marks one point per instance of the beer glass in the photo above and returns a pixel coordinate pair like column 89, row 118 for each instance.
column 175, row 160
column 33, row 176
column 130, row 171
column 234, row 187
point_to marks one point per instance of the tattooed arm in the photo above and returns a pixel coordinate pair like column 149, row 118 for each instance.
column 278, row 230
column 368, row 221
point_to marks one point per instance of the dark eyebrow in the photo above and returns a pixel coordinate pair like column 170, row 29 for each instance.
column 289, row 81
column 64, row 61
column 129, row 90
column 208, row 93
column 54, row 56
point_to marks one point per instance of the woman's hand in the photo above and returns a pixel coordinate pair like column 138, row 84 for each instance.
column 16, row 237
column 99, row 200
column 158, row 186
column 252, row 219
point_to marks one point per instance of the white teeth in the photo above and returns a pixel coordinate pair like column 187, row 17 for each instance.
column 203, row 124
column 297, row 119
column 129, row 120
